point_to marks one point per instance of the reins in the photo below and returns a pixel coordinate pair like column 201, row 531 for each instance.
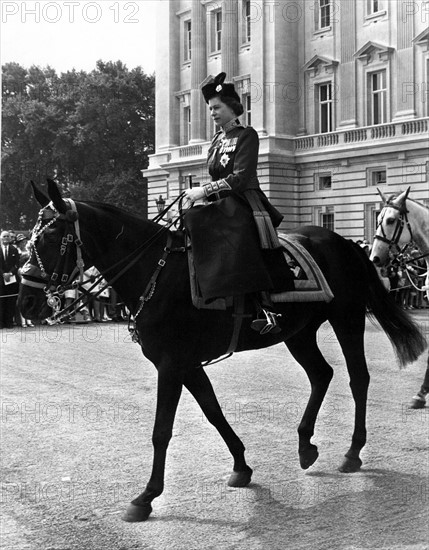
column 53, row 292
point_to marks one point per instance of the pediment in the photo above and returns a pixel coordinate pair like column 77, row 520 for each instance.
column 422, row 39
column 317, row 62
column 372, row 49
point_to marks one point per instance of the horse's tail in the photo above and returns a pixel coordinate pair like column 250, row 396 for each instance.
column 405, row 335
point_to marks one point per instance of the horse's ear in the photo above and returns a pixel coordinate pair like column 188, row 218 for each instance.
column 403, row 197
column 407, row 192
column 382, row 195
column 39, row 195
column 55, row 196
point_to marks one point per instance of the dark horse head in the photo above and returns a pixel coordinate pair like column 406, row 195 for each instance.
column 55, row 255
column 70, row 237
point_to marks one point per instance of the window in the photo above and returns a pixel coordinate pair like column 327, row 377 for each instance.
column 325, row 181
column 327, row 220
column 325, row 108
column 372, row 212
column 322, row 14
column 247, row 104
column 426, row 98
column 374, row 6
column 378, row 177
column 187, row 124
column 377, row 91
column 187, row 41
column 216, row 31
column 246, row 21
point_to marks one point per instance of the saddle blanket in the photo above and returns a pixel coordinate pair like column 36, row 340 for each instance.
column 310, row 284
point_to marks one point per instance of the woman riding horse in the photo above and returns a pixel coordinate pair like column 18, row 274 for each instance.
column 233, row 255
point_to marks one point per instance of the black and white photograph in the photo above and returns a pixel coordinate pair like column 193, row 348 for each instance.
column 214, row 275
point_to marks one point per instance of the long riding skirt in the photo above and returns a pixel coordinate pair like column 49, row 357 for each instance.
column 227, row 253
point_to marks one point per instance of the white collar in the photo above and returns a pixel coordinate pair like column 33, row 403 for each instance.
column 233, row 123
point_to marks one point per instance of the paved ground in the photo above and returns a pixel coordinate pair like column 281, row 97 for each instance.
column 77, row 411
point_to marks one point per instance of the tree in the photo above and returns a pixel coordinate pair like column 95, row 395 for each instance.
column 91, row 132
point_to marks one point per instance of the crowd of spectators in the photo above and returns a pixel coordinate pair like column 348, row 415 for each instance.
column 103, row 307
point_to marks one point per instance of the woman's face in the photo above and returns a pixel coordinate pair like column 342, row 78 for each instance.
column 220, row 112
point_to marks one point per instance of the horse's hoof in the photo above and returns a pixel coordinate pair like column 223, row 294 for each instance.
column 240, row 479
column 417, row 403
column 308, row 457
column 137, row 513
column 350, row 465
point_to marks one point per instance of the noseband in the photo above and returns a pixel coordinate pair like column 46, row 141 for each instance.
column 401, row 221
column 55, row 284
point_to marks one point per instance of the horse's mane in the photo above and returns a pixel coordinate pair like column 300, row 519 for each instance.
column 120, row 213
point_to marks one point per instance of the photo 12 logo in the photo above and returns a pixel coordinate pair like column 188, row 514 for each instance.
column 71, row 12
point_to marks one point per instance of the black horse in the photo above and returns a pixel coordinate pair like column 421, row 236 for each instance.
column 177, row 337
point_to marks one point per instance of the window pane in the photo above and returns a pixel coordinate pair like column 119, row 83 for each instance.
column 328, row 221
column 376, row 104
column 325, row 108
column 325, row 13
column 246, row 16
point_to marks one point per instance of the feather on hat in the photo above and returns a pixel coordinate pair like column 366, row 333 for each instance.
column 217, row 88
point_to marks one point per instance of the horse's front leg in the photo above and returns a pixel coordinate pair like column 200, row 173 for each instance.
column 170, row 382
column 198, row 383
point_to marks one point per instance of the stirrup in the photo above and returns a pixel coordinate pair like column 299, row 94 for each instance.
column 269, row 324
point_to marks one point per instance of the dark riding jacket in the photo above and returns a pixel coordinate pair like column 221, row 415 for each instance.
column 232, row 162
column 227, row 235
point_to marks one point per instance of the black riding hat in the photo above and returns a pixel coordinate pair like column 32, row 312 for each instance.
column 217, row 88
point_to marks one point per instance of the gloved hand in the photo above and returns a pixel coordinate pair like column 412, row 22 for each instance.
column 194, row 194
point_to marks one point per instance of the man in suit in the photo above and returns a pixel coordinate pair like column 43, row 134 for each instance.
column 9, row 263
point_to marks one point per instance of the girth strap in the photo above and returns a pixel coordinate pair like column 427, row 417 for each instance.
column 238, row 317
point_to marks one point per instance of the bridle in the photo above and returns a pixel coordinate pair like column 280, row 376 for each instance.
column 34, row 274
column 401, row 222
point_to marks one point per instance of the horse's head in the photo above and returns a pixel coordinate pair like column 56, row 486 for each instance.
column 392, row 228
column 55, row 257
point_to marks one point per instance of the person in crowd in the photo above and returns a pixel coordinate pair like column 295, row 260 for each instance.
column 115, row 307
column 24, row 255
column 235, row 246
column 9, row 264
column 98, row 300
column 12, row 237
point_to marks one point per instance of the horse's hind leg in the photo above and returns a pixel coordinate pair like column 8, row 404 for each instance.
column 303, row 347
column 198, row 383
column 349, row 330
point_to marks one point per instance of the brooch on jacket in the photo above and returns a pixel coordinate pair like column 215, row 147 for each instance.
column 224, row 159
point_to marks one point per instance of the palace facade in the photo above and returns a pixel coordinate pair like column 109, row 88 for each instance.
column 337, row 91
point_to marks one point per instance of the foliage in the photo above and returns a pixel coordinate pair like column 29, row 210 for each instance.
column 91, row 132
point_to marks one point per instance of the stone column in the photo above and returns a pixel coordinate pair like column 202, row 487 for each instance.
column 230, row 38
column 167, row 76
column 347, row 68
column 406, row 79
column 198, row 71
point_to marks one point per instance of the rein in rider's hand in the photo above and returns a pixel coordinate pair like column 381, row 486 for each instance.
column 194, row 194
